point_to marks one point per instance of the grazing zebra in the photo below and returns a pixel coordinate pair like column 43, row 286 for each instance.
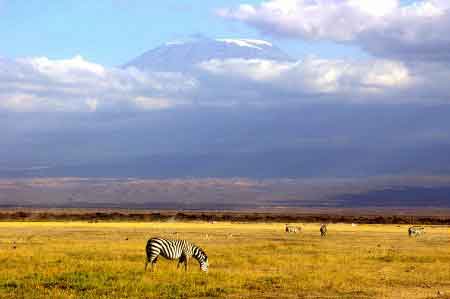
column 323, row 230
column 175, row 249
column 415, row 231
column 292, row 229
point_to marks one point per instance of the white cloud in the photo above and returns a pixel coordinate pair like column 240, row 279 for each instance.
column 385, row 27
column 147, row 103
column 42, row 84
column 92, row 104
column 374, row 8
column 344, row 80
column 255, row 69
column 66, row 69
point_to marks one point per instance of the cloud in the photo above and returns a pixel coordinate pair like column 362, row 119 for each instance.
column 386, row 28
column 42, row 84
column 315, row 79
column 255, row 69
column 77, row 85
column 147, row 103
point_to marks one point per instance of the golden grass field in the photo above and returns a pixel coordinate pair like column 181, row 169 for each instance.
column 106, row 260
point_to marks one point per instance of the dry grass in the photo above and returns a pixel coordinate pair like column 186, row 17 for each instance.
column 106, row 260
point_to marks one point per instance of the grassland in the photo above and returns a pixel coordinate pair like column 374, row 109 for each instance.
column 106, row 260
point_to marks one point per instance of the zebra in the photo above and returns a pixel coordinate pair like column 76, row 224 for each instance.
column 292, row 229
column 175, row 249
column 323, row 230
column 415, row 231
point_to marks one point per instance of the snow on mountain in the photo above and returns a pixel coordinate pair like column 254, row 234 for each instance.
column 185, row 55
column 251, row 43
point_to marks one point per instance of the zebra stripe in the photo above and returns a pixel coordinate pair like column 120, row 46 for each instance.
column 175, row 249
column 415, row 231
column 292, row 229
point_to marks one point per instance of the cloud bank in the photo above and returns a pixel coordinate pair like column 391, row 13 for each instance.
column 77, row 85
column 385, row 28
column 337, row 79
column 42, row 84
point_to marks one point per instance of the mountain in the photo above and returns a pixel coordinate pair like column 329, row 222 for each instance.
column 183, row 56
column 313, row 139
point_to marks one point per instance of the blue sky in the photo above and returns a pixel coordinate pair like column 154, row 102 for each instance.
column 108, row 32
column 111, row 32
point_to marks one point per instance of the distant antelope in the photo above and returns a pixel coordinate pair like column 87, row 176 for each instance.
column 292, row 229
column 323, row 230
column 415, row 231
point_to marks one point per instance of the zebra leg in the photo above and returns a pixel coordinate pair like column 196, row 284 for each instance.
column 152, row 255
column 180, row 261
column 186, row 259
column 153, row 264
column 149, row 260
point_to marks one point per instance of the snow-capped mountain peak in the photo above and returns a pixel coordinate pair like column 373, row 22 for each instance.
column 185, row 55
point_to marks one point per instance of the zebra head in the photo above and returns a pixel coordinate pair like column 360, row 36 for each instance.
column 202, row 259
column 204, row 266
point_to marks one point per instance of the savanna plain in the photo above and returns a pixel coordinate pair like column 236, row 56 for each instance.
column 247, row 260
